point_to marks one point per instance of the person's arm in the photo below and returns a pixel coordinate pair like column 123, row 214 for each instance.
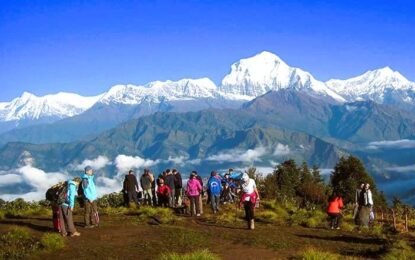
column 370, row 198
column 137, row 187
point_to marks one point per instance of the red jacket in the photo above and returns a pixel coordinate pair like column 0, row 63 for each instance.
column 163, row 190
column 335, row 205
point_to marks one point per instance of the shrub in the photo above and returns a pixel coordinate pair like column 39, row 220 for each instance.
column 52, row 241
column 16, row 244
column 2, row 214
column 400, row 250
column 113, row 200
column 163, row 215
column 111, row 211
column 313, row 254
column 198, row 255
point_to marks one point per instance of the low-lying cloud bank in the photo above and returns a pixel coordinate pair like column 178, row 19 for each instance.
column 390, row 145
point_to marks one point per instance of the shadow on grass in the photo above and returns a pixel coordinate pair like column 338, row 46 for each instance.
column 29, row 225
column 214, row 224
column 347, row 239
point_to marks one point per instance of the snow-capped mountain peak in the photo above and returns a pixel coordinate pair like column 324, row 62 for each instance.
column 31, row 107
column 158, row 91
column 266, row 71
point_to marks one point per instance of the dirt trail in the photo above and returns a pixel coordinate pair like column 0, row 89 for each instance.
column 126, row 238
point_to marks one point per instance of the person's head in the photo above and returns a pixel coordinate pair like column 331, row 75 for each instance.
column 193, row 175
column 362, row 185
column 130, row 172
column 174, row 171
column 77, row 181
column 161, row 182
column 367, row 186
column 164, row 173
column 146, row 171
column 230, row 170
column 89, row 170
column 168, row 171
column 213, row 173
column 245, row 178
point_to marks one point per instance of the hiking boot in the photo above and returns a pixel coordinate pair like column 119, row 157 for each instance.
column 64, row 234
column 337, row 228
column 75, row 234
column 331, row 227
column 214, row 212
column 197, row 215
column 89, row 226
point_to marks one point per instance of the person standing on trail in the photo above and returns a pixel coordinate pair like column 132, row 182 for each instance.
column 202, row 193
column 366, row 204
column 169, row 181
column 66, row 209
column 193, row 191
column 214, row 190
column 357, row 206
column 90, row 198
column 178, row 185
column 248, row 199
column 146, row 181
column 131, row 187
column 334, row 210
column 163, row 194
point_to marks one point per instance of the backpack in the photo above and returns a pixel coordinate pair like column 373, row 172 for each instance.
column 58, row 193
column 81, row 195
column 362, row 198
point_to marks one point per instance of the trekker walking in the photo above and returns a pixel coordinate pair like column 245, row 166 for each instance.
column 146, row 182
column 169, row 181
column 66, row 209
column 131, row 188
column 90, row 197
column 248, row 199
column 334, row 210
column 163, row 194
column 193, row 191
column 178, row 185
column 214, row 190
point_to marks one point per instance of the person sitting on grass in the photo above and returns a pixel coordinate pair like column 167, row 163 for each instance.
column 66, row 209
column 163, row 194
column 193, row 192
column 334, row 210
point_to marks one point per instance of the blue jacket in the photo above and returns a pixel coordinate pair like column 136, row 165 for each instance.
column 214, row 185
column 70, row 197
column 88, row 185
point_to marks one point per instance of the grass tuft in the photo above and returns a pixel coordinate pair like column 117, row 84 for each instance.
column 52, row 241
column 313, row 254
column 198, row 255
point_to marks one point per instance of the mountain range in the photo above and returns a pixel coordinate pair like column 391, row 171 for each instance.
column 263, row 112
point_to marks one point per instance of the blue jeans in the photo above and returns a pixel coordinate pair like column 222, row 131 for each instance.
column 214, row 201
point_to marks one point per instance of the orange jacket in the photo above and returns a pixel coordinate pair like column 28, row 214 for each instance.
column 335, row 205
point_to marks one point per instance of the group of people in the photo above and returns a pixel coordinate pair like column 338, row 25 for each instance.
column 165, row 191
column 363, row 213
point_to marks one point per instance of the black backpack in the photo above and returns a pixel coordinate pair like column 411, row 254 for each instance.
column 58, row 193
column 362, row 198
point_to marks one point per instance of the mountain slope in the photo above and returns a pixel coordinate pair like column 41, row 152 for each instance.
column 383, row 86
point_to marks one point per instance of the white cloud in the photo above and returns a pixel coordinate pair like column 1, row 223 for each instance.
column 125, row 163
column 107, row 185
column 10, row 179
column 182, row 160
column 96, row 164
column 397, row 144
column 237, row 155
column 281, row 150
column 402, row 169
column 37, row 179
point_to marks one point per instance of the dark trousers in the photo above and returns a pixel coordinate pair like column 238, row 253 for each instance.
column 195, row 204
column 164, row 201
column 132, row 197
column 335, row 219
column 91, row 211
column 249, row 210
column 65, row 219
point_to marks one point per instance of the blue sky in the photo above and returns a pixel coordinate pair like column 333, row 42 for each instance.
column 88, row 46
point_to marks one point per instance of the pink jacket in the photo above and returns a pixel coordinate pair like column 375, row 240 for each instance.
column 193, row 187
